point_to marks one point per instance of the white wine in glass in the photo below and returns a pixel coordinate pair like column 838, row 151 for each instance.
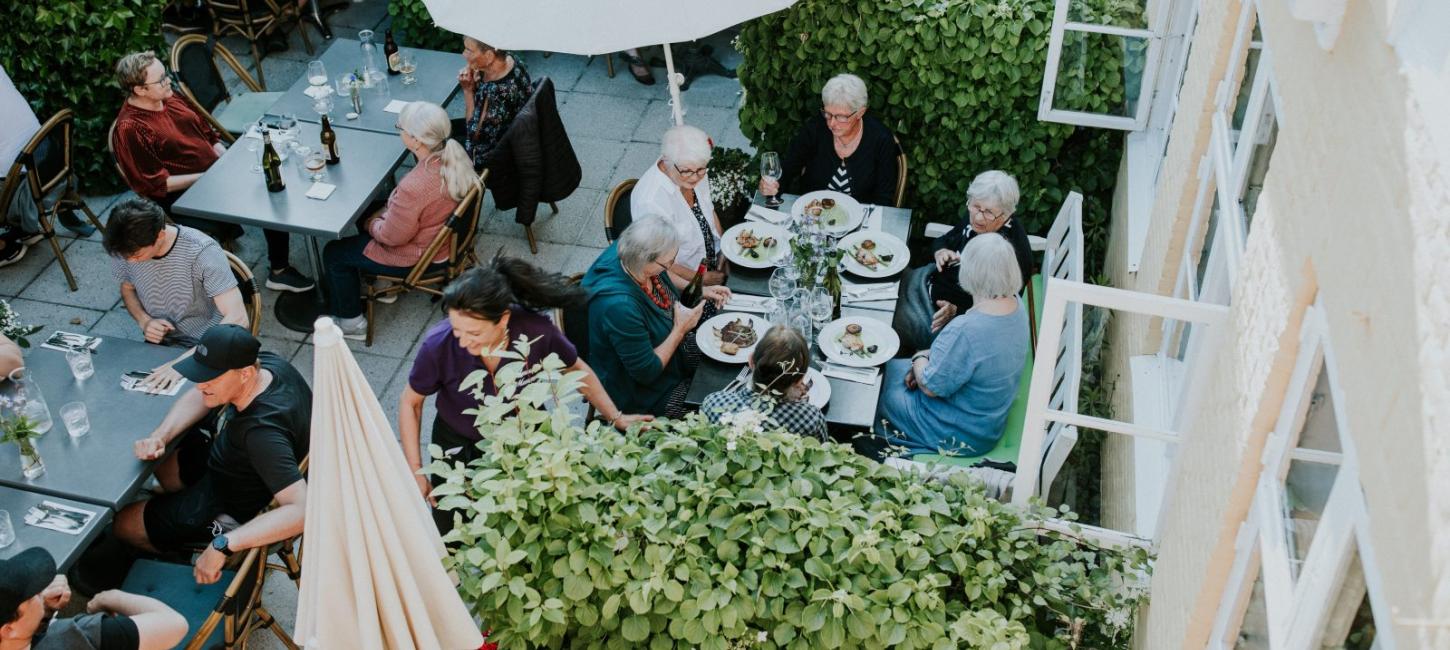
column 770, row 168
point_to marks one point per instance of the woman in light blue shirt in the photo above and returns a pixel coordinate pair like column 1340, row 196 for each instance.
column 955, row 396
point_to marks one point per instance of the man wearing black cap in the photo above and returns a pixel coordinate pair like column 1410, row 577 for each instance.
column 213, row 484
column 31, row 592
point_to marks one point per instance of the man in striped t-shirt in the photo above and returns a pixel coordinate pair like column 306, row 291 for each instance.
column 175, row 281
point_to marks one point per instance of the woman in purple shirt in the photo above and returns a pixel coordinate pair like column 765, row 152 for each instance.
column 489, row 307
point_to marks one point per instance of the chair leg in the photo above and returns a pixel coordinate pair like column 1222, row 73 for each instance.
column 265, row 618
column 533, row 243
column 609, row 65
column 95, row 221
column 257, row 61
column 302, row 31
column 554, row 206
column 49, row 231
column 368, row 313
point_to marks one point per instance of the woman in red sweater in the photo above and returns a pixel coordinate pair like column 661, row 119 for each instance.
column 393, row 239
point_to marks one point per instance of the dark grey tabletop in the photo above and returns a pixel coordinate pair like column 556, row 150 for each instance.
column 63, row 547
column 231, row 192
column 437, row 76
column 852, row 404
column 100, row 467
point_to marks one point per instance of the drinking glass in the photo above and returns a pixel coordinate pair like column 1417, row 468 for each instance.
column 316, row 73
column 770, row 168
column 781, row 284
column 77, row 423
column 254, row 145
column 819, row 307
column 289, row 125
column 323, row 105
column 300, row 153
column 315, row 165
column 7, row 530
column 802, row 323
column 407, row 65
column 80, row 363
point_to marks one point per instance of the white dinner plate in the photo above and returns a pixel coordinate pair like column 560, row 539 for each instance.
column 762, row 231
column 841, row 219
column 708, row 336
column 874, row 334
column 820, row 393
column 886, row 245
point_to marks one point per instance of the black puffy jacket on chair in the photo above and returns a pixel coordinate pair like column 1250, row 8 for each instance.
column 534, row 162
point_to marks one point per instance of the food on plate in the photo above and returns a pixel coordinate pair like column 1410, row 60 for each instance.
column 737, row 334
column 867, row 255
column 827, row 211
column 853, row 343
column 752, row 246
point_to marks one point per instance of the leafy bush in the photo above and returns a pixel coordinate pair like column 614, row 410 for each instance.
column 958, row 81
column 696, row 535
column 63, row 53
column 413, row 26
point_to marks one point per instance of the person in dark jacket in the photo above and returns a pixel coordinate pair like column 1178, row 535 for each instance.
column 495, row 88
column 534, row 163
column 931, row 296
column 844, row 149
column 641, row 339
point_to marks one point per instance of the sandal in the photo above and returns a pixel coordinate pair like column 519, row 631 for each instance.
column 638, row 69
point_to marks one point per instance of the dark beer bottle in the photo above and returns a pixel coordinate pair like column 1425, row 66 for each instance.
column 390, row 52
column 695, row 289
column 329, row 142
column 271, row 165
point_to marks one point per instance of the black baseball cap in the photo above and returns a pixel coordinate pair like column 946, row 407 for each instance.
column 21, row 578
column 222, row 348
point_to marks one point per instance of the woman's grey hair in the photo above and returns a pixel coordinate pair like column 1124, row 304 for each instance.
column 685, row 145
column 131, row 69
column 844, row 90
column 995, row 188
column 989, row 268
column 645, row 240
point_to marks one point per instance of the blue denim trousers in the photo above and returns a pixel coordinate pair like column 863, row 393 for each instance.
column 345, row 262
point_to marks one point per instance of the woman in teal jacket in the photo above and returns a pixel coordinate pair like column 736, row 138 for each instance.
column 641, row 339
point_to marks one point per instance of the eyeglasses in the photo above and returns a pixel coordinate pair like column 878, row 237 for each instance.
column 693, row 173
column 665, row 266
column 832, row 117
column 994, row 216
column 167, row 78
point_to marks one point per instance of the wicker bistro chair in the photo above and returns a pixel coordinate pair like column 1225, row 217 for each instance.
column 426, row 275
column 247, row 283
column 617, row 214
column 234, row 602
column 44, row 165
column 900, row 173
column 254, row 20
column 194, row 61
column 573, row 321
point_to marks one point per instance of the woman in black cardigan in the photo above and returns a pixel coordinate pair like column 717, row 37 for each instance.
column 843, row 149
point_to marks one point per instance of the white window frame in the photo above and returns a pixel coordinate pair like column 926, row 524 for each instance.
column 1297, row 610
column 1153, row 35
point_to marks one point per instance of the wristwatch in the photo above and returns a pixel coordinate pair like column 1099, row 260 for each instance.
column 220, row 543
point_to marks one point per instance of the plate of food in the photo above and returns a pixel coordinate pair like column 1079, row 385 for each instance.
column 755, row 245
column 731, row 337
column 858, row 341
column 838, row 213
column 874, row 254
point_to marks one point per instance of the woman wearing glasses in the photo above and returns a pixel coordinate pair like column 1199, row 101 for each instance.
column 844, row 149
column 677, row 187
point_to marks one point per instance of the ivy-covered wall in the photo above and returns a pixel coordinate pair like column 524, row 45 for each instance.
column 414, row 27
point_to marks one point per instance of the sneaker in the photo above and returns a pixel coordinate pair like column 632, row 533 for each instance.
column 354, row 328
column 387, row 298
column 73, row 223
column 289, row 279
column 27, row 238
column 12, row 249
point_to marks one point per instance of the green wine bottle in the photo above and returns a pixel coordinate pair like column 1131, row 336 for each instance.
column 271, row 165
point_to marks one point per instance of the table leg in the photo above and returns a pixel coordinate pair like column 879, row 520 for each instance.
column 299, row 311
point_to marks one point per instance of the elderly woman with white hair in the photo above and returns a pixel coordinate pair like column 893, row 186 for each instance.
column 677, row 187
column 955, row 396
column 844, row 149
column 641, row 339
column 931, row 296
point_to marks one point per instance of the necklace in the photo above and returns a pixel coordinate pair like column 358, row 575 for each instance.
column 657, row 294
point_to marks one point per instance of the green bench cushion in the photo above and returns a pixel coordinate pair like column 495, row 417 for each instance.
column 175, row 585
column 244, row 109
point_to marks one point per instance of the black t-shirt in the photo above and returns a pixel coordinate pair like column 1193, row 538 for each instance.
column 90, row 632
column 256, row 453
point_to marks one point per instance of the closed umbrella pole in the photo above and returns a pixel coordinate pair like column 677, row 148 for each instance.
column 676, row 80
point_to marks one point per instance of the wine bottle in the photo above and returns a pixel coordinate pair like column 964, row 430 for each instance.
column 832, row 283
column 390, row 52
column 329, row 142
column 695, row 289
column 271, row 165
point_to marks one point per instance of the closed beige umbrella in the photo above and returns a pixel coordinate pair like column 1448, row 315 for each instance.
column 372, row 575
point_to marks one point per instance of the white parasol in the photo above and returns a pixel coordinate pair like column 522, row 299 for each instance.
column 595, row 26
column 372, row 576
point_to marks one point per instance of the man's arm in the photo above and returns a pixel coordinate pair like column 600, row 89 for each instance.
column 159, row 626
column 188, row 410
column 233, row 310
column 274, row 525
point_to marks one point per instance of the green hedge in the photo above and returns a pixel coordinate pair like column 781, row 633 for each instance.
column 413, row 26
column 692, row 535
column 62, row 54
column 958, row 81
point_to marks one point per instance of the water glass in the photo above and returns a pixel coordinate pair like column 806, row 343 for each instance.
column 819, row 307
column 781, row 284
column 300, row 152
column 316, row 73
column 7, row 530
column 254, row 145
column 77, row 423
column 323, row 105
column 80, row 363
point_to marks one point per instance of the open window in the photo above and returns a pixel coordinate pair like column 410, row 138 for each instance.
column 1102, row 69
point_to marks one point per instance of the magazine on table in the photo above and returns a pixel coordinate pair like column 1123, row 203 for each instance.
column 59, row 517
column 132, row 381
column 68, row 341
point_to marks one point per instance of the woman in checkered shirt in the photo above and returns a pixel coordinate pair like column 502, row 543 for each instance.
column 777, row 388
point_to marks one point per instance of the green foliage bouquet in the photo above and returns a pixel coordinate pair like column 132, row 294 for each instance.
column 687, row 534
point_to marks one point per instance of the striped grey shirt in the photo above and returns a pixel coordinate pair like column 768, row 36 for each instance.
column 181, row 286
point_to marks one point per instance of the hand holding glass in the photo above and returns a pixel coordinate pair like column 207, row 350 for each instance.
column 770, row 168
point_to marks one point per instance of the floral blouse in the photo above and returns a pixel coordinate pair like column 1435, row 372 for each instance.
column 502, row 98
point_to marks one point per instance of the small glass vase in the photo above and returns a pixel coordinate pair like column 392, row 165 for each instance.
column 31, row 464
column 26, row 399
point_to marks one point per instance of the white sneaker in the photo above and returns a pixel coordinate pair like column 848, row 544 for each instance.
column 354, row 328
column 387, row 298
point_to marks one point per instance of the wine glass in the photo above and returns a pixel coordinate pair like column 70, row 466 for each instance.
column 254, row 145
column 315, row 164
column 819, row 307
column 781, row 284
column 407, row 65
column 770, row 168
column 316, row 73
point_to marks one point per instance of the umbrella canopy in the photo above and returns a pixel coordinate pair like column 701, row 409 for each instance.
column 372, row 576
column 596, row 27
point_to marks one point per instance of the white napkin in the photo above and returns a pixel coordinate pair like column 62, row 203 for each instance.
column 318, row 92
column 873, row 218
column 395, row 106
column 762, row 213
column 755, row 304
column 853, row 292
column 848, row 373
column 321, row 191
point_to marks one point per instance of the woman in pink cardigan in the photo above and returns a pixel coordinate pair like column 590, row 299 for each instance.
column 393, row 239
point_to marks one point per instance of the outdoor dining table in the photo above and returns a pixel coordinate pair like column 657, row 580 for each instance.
column 437, row 75
column 64, row 548
column 231, row 192
column 852, row 404
column 100, row 467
